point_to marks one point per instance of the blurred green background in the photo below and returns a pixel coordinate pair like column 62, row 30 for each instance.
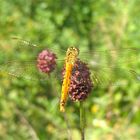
column 29, row 109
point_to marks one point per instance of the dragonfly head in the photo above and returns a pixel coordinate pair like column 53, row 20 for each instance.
column 71, row 55
column 73, row 50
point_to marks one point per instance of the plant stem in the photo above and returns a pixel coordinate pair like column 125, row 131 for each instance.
column 82, row 121
column 68, row 126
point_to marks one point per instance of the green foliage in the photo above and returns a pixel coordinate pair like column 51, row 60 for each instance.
column 29, row 109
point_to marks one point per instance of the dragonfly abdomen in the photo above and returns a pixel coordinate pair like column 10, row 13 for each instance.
column 71, row 57
column 65, row 86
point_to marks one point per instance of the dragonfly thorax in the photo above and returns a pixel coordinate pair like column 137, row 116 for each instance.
column 71, row 55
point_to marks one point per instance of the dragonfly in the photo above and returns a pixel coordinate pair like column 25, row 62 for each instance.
column 101, row 67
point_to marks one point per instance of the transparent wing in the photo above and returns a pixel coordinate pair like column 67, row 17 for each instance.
column 101, row 76
column 106, row 77
column 93, row 57
column 101, row 59
column 84, row 54
column 27, row 70
column 24, row 44
column 135, row 74
column 116, row 74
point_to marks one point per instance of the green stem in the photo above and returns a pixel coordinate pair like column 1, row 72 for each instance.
column 68, row 126
column 82, row 121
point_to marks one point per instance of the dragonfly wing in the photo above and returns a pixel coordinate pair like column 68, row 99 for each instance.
column 113, row 76
column 26, row 70
column 115, row 51
column 125, row 55
column 135, row 74
column 21, row 43
column 94, row 56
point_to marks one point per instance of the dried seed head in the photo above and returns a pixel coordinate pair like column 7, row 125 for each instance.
column 46, row 61
column 81, row 83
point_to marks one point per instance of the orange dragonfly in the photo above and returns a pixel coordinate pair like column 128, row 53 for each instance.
column 102, row 68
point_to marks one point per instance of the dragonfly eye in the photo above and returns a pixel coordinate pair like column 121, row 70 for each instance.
column 76, row 50
column 73, row 50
